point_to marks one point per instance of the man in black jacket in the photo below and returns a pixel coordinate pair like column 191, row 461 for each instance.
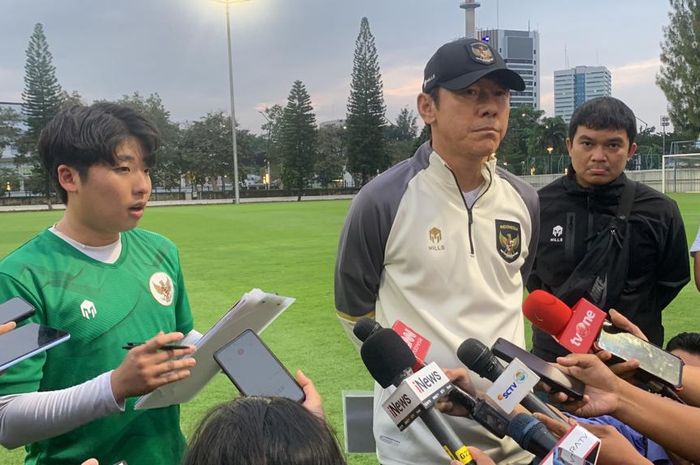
column 611, row 240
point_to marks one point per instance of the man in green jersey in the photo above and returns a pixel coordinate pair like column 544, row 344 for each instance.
column 97, row 276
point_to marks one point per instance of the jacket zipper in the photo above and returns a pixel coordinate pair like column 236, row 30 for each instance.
column 469, row 210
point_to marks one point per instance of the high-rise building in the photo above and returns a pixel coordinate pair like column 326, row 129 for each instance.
column 520, row 50
column 574, row 86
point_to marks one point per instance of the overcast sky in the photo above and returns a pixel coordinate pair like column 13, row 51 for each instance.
column 177, row 48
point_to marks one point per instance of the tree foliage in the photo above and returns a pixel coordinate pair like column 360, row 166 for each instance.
column 365, row 120
column 529, row 136
column 206, row 149
column 273, row 134
column 298, row 139
column 42, row 98
column 42, row 95
column 169, row 166
column 400, row 136
column 10, row 120
column 332, row 156
column 679, row 77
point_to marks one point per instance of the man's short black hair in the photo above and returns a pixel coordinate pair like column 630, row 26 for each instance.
column 81, row 136
column 687, row 342
column 604, row 113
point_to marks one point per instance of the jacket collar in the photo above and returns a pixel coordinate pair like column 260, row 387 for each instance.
column 607, row 194
column 426, row 156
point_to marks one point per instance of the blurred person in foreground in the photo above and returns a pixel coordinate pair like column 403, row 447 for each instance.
column 266, row 430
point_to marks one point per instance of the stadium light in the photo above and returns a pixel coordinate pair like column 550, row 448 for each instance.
column 237, row 198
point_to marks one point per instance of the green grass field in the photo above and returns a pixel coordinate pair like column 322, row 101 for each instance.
column 288, row 248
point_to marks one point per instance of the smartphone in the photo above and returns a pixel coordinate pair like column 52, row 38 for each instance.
column 16, row 309
column 26, row 341
column 254, row 370
column 549, row 373
column 654, row 361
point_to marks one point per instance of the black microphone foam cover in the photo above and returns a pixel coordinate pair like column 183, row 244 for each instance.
column 365, row 327
column 386, row 356
column 475, row 355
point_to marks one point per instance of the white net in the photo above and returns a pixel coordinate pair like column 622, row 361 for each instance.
column 680, row 173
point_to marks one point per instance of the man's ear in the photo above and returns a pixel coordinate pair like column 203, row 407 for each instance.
column 68, row 178
column 426, row 108
column 633, row 150
column 569, row 144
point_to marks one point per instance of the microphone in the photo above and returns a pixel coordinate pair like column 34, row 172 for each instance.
column 574, row 329
column 366, row 327
column 578, row 329
column 389, row 361
column 478, row 358
column 531, row 434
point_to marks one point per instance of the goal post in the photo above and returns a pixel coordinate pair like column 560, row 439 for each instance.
column 680, row 173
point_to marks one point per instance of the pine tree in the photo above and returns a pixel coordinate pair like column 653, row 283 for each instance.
column 298, row 139
column 41, row 100
column 680, row 66
column 367, row 155
column 42, row 96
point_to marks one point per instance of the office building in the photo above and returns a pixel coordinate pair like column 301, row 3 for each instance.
column 520, row 50
column 574, row 86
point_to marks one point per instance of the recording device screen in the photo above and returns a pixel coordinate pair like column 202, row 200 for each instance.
column 16, row 309
column 254, row 369
column 551, row 375
column 652, row 359
column 25, row 341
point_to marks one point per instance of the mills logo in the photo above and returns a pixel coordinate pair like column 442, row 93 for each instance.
column 435, row 237
column 519, row 378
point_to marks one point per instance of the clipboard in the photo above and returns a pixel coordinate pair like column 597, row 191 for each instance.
column 255, row 310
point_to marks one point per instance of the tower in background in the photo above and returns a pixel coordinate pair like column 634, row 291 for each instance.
column 574, row 86
column 469, row 18
column 520, row 50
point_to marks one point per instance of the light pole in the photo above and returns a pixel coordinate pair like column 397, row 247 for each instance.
column 665, row 122
column 237, row 198
column 269, row 141
column 550, row 149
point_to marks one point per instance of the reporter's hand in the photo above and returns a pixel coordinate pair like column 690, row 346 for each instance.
column 146, row 367
column 460, row 378
column 602, row 385
column 91, row 462
column 479, row 457
column 621, row 322
column 7, row 327
column 313, row 402
column 614, row 448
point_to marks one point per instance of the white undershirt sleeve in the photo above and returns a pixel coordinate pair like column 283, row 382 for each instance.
column 35, row 416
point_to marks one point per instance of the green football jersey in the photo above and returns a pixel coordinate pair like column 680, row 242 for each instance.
column 102, row 306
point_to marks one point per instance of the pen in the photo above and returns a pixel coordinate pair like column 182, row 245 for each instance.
column 131, row 345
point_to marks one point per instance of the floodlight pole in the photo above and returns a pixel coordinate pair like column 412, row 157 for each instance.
column 237, row 198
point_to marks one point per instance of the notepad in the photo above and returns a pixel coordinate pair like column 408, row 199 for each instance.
column 255, row 310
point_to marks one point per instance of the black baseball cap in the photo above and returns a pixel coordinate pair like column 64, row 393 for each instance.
column 461, row 63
